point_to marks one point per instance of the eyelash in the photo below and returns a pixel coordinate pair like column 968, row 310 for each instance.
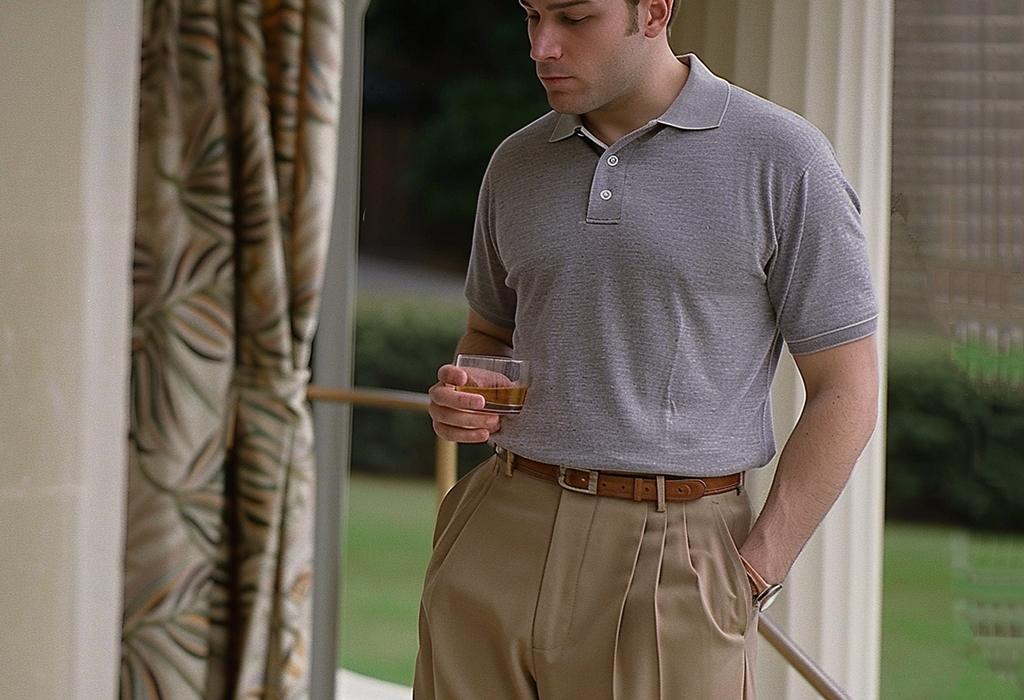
column 568, row 20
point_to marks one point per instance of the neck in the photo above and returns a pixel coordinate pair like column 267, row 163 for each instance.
column 653, row 95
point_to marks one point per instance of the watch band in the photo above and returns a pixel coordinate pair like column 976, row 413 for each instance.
column 764, row 593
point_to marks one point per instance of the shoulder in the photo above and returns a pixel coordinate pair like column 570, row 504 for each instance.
column 781, row 135
column 523, row 145
column 536, row 132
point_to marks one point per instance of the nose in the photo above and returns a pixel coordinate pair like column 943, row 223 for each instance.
column 544, row 42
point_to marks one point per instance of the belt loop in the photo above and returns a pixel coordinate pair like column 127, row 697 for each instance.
column 659, row 479
column 507, row 458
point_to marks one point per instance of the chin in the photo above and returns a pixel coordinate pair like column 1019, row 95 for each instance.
column 564, row 105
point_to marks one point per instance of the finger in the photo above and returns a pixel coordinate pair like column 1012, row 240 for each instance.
column 450, row 374
column 445, row 395
column 463, row 426
column 461, row 435
column 462, row 419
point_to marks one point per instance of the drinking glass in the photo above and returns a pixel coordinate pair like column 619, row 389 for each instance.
column 502, row 381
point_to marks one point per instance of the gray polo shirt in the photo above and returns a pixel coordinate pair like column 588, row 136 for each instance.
column 652, row 283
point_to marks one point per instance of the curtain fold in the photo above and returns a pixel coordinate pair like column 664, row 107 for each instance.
column 237, row 148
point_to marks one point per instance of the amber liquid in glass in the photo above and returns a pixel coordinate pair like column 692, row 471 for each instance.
column 501, row 399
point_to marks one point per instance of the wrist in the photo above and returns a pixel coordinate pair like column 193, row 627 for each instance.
column 763, row 593
column 767, row 553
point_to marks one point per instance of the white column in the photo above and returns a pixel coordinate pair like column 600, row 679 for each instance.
column 68, row 76
column 332, row 363
column 831, row 62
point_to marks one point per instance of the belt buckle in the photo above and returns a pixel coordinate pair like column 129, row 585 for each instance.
column 590, row 488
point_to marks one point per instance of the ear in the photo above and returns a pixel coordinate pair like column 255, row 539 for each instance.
column 658, row 14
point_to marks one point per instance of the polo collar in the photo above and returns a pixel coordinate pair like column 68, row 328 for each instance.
column 701, row 104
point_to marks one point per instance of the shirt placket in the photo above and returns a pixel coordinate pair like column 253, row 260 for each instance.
column 608, row 188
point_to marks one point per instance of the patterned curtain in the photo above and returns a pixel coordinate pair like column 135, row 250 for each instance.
column 237, row 135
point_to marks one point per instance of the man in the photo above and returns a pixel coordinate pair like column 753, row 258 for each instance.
column 648, row 247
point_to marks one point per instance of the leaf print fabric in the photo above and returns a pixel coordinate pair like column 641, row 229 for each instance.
column 237, row 143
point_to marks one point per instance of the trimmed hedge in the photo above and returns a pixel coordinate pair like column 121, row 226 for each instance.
column 399, row 344
column 955, row 447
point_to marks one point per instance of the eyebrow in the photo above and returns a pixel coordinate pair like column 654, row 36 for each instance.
column 557, row 5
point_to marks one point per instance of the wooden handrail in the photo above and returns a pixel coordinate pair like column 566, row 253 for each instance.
column 446, row 454
column 379, row 398
column 446, row 470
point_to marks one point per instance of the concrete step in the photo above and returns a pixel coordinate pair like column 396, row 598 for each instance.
column 353, row 686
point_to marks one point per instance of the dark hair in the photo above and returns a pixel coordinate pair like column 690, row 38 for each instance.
column 635, row 27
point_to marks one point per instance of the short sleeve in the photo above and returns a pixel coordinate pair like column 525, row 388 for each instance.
column 486, row 288
column 820, row 279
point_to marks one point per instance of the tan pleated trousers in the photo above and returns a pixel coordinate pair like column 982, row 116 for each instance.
column 538, row 593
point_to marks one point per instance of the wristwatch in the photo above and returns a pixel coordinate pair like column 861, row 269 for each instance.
column 764, row 593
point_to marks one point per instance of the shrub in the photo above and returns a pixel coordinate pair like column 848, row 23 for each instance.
column 955, row 448
column 399, row 344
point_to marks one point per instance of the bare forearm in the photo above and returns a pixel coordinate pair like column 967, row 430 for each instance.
column 815, row 464
column 474, row 342
column 812, row 471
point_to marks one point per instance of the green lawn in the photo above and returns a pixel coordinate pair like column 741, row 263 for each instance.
column 928, row 651
column 390, row 525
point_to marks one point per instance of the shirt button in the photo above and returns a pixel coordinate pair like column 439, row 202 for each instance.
column 613, row 161
column 606, row 195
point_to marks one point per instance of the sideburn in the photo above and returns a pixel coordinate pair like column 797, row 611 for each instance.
column 634, row 22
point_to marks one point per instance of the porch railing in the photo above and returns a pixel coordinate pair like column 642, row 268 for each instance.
column 445, row 474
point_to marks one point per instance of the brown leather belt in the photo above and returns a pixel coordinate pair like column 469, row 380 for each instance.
column 637, row 488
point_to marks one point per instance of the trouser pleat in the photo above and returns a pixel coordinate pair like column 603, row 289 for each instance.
column 704, row 604
column 575, row 638
column 638, row 675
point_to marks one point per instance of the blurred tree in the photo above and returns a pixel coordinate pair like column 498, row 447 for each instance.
column 461, row 71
